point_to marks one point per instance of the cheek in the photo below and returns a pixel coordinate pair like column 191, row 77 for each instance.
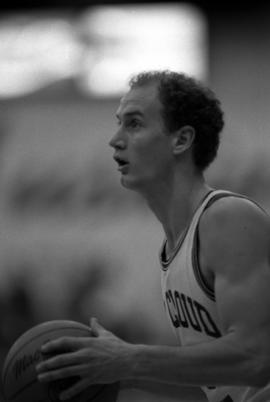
column 149, row 150
column 150, row 146
column 154, row 159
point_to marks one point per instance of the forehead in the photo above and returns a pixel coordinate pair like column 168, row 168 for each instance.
column 143, row 100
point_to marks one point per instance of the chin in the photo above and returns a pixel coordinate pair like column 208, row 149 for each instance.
column 140, row 186
column 130, row 183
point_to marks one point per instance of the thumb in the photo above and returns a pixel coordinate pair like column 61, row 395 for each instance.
column 96, row 328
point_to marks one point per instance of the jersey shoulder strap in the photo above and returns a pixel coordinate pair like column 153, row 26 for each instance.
column 218, row 194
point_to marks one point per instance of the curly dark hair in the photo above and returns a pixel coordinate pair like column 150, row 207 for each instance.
column 186, row 101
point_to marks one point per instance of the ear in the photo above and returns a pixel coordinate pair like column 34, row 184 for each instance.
column 183, row 139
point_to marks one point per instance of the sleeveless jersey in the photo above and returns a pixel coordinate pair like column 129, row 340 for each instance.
column 190, row 303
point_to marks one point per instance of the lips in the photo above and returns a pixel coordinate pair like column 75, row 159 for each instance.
column 122, row 162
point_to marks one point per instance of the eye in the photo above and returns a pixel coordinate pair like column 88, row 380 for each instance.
column 134, row 123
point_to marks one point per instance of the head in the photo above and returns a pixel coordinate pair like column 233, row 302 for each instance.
column 186, row 102
column 173, row 117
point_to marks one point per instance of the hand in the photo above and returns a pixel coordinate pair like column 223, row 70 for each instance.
column 100, row 359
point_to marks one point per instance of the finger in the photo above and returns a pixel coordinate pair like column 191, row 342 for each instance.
column 96, row 328
column 76, row 389
column 59, row 374
column 55, row 362
column 60, row 345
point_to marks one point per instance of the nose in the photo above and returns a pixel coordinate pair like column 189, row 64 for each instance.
column 117, row 141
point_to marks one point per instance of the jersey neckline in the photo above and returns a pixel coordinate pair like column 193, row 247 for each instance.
column 166, row 260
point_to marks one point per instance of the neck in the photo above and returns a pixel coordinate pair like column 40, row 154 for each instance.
column 174, row 204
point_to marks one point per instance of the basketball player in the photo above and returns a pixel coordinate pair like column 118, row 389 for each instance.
column 214, row 260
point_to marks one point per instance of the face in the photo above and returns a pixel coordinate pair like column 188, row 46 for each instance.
column 141, row 143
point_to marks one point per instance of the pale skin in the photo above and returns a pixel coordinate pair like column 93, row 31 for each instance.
column 234, row 258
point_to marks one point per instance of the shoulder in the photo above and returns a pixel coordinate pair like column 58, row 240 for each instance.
column 234, row 225
column 234, row 212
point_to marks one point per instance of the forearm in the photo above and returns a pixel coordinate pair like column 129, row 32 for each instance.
column 162, row 391
column 218, row 362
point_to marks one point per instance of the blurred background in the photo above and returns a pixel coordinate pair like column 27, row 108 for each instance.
column 73, row 243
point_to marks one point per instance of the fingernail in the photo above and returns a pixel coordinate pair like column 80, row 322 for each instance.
column 38, row 367
column 41, row 377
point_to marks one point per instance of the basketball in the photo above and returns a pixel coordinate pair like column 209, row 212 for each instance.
column 19, row 377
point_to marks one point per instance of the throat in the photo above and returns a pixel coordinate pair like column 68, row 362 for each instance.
column 172, row 246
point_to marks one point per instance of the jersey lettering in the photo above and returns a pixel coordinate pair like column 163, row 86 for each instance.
column 188, row 313
column 210, row 327
column 176, row 311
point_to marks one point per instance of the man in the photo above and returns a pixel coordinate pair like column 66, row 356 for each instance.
column 214, row 260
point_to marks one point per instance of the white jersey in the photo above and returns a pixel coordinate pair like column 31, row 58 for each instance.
column 190, row 303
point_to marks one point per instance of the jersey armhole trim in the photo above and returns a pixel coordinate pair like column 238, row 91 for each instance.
column 196, row 243
column 197, row 270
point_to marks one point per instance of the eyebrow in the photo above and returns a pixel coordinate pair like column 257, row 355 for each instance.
column 131, row 113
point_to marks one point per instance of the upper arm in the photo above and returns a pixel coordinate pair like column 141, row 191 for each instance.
column 235, row 241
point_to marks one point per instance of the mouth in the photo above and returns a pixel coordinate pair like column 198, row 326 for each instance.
column 122, row 163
